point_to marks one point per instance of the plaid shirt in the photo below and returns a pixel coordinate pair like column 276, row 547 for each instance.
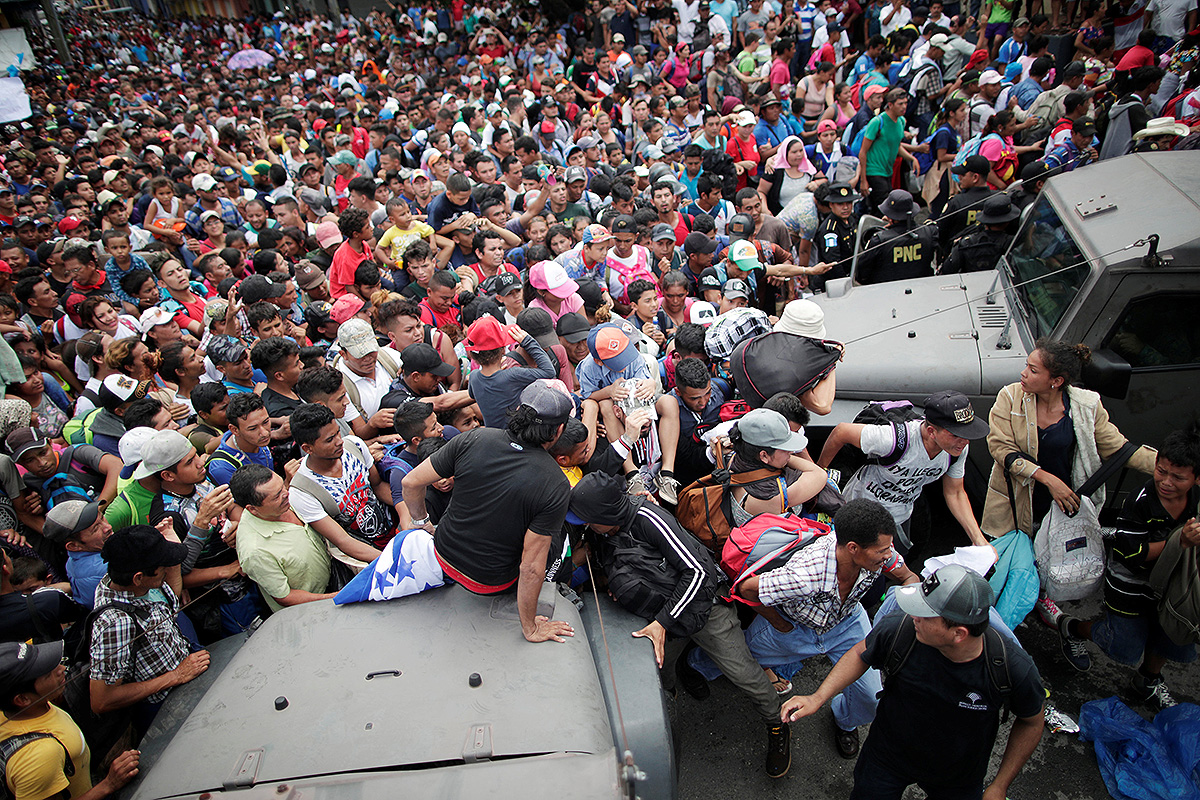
column 805, row 589
column 162, row 650
column 732, row 328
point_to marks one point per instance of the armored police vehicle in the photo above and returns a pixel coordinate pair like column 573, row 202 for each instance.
column 1108, row 255
column 434, row 695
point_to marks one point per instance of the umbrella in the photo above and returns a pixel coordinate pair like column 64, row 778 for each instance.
column 250, row 58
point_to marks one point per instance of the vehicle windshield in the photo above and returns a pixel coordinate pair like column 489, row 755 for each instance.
column 1043, row 247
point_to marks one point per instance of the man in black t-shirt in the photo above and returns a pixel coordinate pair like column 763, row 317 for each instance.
column 939, row 712
column 1129, row 631
column 510, row 498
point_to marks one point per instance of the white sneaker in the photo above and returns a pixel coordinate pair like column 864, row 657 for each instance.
column 1048, row 612
column 1058, row 722
column 668, row 489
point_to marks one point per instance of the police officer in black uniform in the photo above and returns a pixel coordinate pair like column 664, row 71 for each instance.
column 900, row 250
column 980, row 251
column 835, row 235
column 965, row 206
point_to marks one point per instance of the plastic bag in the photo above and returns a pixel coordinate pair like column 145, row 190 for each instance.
column 1070, row 552
column 1142, row 760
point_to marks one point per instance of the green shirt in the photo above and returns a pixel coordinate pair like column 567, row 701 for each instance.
column 282, row 556
column 131, row 507
column 885, row 136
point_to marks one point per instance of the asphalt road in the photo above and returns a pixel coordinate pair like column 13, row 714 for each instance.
column 723, row 745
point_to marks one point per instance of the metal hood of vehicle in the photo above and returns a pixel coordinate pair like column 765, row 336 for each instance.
column 427, row 721
column 905, row 336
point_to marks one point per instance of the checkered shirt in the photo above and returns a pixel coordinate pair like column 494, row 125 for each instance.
column 732, row 328
column 805, row 589
column 113, row 631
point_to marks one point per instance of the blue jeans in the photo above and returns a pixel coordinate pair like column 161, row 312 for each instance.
column 786, row 652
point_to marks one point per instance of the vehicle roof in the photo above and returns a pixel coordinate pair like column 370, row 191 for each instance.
column 533, row 699
column 1151, row 192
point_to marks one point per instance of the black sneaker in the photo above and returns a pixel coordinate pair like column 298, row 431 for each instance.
column 779, row 750
column 692, row 681
column 846, row 741
column 1153, row 693
column 1073, row 649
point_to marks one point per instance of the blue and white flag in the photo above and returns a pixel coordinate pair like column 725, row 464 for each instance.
column 406, row 566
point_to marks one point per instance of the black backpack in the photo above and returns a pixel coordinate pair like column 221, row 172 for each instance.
column 719, row 163
column 995, row 653
column 100, row 730
column 890, row 412
column 780, row 362
column 640, row 579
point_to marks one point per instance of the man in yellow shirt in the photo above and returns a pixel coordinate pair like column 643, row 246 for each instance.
column 58, row 763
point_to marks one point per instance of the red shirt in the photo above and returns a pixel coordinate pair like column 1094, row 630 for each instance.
column 437, row 320
column 480, row 277
column 1137, row 56
column 345, row 261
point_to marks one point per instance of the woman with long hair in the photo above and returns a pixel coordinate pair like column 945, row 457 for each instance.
column 1047, row 437
column 1000, row 150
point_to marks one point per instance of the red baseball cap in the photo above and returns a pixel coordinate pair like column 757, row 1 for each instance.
column 68, row 224
column 4, row 267
column 486, row 333
column 346, row 307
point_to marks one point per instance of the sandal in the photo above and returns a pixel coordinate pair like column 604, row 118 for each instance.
column 782, row 686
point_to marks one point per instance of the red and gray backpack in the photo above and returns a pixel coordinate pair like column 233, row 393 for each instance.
column 765, row 543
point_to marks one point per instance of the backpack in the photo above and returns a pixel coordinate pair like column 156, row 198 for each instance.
column 764, row 543
column 101, row 731
column 705, row 507
column 62, row 485
column 908, row 79
column 890, row 412
column 780, row 362
column 640, row 579
column 733, row 409
column 9, row 748
column 329, row 505
column 970, row 148
column 1175, row 578
column 995, row 654
column 719, row 163
column 78, row 430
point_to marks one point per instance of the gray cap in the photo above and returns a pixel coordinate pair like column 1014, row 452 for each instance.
column 315, row 200
column 736, row 287
column 661, row 232
column 69, row 518
column 551, row 405
column 574, row 174
column 954, row 593
column 164, row 450
column 763, row 427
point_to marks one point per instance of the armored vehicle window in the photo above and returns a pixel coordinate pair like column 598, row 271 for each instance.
column 1042, row 247
column 1159, row 331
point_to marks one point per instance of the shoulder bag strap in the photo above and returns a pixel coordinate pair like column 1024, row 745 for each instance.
column 39, row 624
column 319, row 493
column 1012, row 500
column 1107, row 469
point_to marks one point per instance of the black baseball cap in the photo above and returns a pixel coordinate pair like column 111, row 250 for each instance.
column 21, row 664
column 740, row 226
column 709, row 279
column 140, row 548
column 624, row 224
column 697, row 242
column 500, row 284
column 421, row 357
column 573, row 327
column 952, row 410
column 976, row 163
column 259, row 287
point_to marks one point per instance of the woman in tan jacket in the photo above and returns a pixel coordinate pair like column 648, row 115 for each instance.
column 1066, row 434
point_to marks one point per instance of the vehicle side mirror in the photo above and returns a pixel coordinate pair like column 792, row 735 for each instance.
column 1108, row 373
column 837, row 287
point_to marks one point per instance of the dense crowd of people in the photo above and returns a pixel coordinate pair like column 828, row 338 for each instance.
column 275, row 290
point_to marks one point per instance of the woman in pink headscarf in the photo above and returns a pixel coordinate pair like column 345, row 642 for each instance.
column 787, row 175
column 679, row 66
